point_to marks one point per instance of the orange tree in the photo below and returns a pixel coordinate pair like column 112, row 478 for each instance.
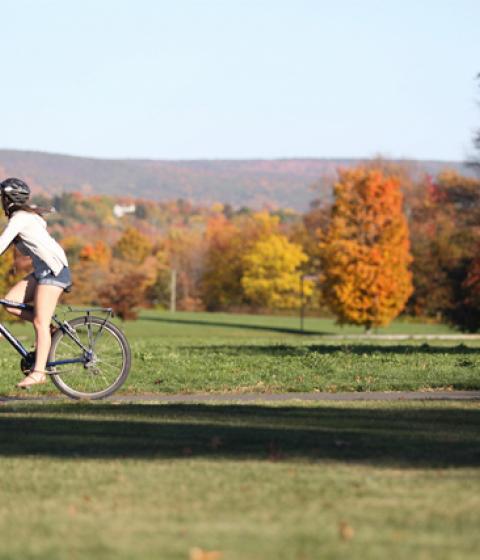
column 365, row 252
column 98, row 253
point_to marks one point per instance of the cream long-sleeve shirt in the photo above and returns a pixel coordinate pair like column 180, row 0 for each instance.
column 34, row 241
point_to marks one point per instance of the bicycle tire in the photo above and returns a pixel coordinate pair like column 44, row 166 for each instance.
column 82, row 380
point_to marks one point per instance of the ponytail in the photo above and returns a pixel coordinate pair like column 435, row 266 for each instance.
column 27, row 208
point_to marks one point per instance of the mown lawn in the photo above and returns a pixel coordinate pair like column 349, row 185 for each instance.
column 208, row 482
column 345, row 480
column 192, row 352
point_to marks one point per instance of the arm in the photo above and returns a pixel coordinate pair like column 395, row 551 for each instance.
column 9, row 233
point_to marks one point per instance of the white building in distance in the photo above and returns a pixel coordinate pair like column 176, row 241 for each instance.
column 119, row 210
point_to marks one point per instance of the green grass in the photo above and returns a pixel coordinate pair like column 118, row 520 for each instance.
column 359, row 480
column 348, row 480
column 183, row 324
column 187, row 352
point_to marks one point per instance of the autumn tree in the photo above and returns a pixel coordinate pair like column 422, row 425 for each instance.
column 227, row 242
column 12, row 269
column 88, row 279
column 133, row 246
column 89, row 264
column 221, row 281
column 271, row 275
column 186, row 249
column 470, row 305
column 365, row 253
column 98, row 253
column 308, row 232
column 158, row 291
column 445, row 235
column 7, row 278
column 72, row 246
column 124, row 293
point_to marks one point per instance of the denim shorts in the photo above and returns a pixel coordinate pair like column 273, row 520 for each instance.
column 62, row 280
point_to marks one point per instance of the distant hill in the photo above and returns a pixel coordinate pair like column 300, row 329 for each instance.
column 255, row 183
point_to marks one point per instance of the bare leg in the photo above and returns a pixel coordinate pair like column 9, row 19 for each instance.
column 46, row 298
column 22, row 292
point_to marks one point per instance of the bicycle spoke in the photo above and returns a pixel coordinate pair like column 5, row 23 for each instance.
column 90, row 339
column 107, row 363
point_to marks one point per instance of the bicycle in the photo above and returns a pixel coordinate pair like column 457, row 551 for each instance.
column 89, row 358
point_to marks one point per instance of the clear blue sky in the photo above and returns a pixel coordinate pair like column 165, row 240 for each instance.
column 185, row 79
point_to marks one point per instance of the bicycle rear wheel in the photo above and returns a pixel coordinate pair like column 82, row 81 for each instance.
column 103, row 367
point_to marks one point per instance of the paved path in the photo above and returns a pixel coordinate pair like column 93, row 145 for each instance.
column 367, row 337
column 273, row 397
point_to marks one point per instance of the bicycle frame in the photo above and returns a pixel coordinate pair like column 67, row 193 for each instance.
column 20, row 348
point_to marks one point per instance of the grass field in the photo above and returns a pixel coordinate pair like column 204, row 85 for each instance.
column 369, row 480
column 187, row 352
column 349, row 480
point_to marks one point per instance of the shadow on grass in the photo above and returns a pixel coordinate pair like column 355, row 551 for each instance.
column 247, row 326
column 403, row 437
column 342, row 347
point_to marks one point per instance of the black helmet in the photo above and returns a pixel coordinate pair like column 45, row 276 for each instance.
column 15, row 192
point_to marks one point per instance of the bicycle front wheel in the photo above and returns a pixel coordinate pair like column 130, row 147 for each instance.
column 103, row 362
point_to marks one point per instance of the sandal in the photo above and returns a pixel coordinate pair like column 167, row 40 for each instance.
column 35, row 377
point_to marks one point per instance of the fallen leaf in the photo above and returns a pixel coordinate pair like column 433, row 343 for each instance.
column 215, row 442
column 346, row 532
column 341, row 443
column 274, row 452
column 200, row 554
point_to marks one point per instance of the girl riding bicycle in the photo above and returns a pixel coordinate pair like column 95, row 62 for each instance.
column 43, row 287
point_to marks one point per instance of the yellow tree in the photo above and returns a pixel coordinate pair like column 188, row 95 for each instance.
column 7, row 277
column 133, row 246
column 271, row 275
column 365, row 253
column 227, row 242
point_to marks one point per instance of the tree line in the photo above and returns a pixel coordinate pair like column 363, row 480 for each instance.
column 386, row 242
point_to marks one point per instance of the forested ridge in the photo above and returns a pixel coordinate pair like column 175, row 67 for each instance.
column 275, row 183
